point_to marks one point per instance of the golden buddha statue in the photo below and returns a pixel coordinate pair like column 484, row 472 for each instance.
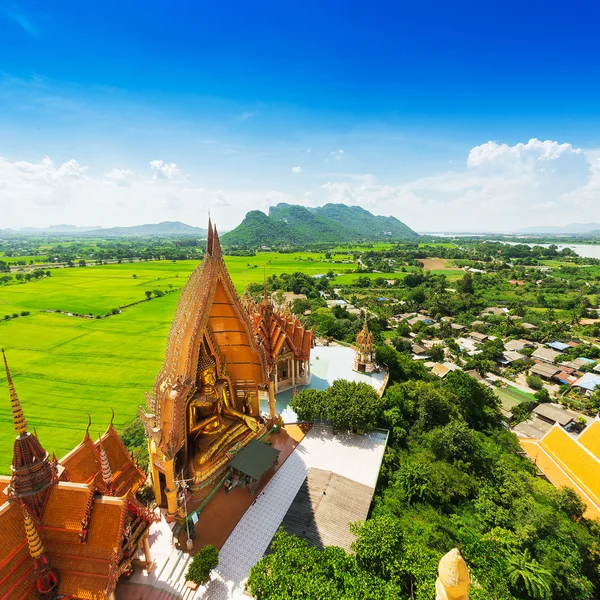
column 213, row 421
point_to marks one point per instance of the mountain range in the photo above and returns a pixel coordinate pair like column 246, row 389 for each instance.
column 290, row 224
column 164, row 228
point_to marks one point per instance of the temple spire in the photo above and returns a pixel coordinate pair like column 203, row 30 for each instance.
column 19, row 421
column 209, row 238
column 36, row 548
column 107, row 475
column 47, row 581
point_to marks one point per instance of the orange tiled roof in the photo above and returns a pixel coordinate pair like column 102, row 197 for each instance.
column 566, row 462
column 67, row 511
column 590, row 438
column 84, row 568
column 4, row 481
column 82, row 464
column 128, row 478
column 274, row 329
column 17, row 576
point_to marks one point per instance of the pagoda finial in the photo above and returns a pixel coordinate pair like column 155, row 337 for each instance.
column 107, row 476
column 36, row 548
column 19, row 421
column 216, row 244
column 209, row 237
column 112, row 418
column 87, row 429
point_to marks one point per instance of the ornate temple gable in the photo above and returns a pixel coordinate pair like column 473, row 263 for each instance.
column 127, row 477
column 83, row 464
column 210, row 314
column 278, row 331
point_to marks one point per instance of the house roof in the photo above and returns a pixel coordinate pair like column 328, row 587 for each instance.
column 590, row 438
column 560, row 346
column 555, row 412
column 567, row 462
column 479, row 337
column 514, row 345
column 588, row 382
column 254, row 459
column 546, row 354
column 565, row 377
column 511, row 356
column 544, row 370
column 528, row 326
column 417, row 349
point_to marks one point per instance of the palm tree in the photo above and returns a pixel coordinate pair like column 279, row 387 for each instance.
column 525, row 574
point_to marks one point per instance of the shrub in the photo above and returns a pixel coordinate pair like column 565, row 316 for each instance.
column 202, row 564
column 534, row 382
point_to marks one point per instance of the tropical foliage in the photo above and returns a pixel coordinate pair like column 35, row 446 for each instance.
column 451, row 477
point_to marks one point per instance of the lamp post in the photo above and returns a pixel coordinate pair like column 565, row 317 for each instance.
column 189, row 544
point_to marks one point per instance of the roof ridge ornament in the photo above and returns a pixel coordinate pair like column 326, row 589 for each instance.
column 20, row 423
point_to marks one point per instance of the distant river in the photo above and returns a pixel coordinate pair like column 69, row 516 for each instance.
column 586, row 250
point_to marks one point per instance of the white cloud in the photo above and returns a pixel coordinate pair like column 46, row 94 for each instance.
column 164, row 170
column 499, row 187
column 120, row 177
column 296, row 169
column 502, row 187
column 337, row 155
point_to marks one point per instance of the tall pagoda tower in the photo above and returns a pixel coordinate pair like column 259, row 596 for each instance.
column 364, row 357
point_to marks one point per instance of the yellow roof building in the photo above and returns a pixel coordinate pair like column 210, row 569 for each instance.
column 570, row 462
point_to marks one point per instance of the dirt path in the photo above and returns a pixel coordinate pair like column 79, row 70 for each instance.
column 436, row 263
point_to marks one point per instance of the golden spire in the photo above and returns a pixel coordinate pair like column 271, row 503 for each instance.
column 36, row 548
column 18, row 418
column 107, row 476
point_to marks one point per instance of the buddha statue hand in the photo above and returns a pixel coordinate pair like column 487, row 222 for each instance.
column 251, row 422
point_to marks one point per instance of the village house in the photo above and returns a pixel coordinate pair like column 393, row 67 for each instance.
column 588, row 383
column 509, row 357
column 546, row 355
column 478, row 337
column 544, row 370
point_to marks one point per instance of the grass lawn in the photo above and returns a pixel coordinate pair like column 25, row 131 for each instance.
column 510, row 397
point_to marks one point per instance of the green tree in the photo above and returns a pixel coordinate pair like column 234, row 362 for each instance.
column 202, row 564
column 527, row 576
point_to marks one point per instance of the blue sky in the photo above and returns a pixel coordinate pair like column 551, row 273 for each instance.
column 447, row 115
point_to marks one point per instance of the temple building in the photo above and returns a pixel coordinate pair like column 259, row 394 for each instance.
column 571, row 462
column 364, row 357
column 71, row 527
column 286, row 343
column 223, row 352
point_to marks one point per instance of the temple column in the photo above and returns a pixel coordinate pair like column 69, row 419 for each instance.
column 276, row 379
column 293, row 365
column 147, row 555
column 272, row 412
column 155, row 481
column 171, row 490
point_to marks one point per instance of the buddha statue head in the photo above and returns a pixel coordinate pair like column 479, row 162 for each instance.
column 208, row 371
